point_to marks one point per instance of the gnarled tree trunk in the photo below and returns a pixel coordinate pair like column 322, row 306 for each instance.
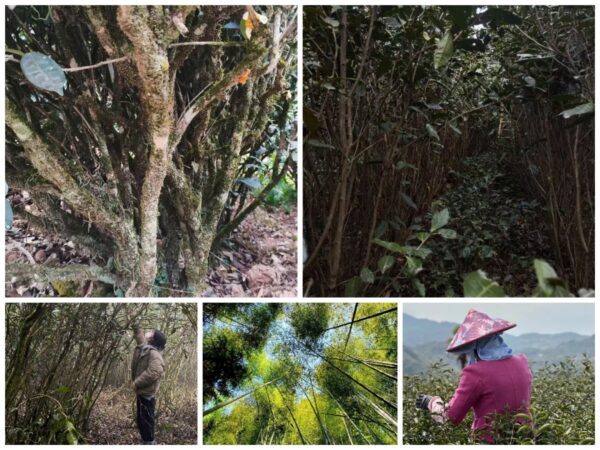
column 137, row 159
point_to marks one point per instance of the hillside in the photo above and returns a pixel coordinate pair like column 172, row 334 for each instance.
column 425, row 343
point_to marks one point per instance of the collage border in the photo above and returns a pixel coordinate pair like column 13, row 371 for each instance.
column 299, row 297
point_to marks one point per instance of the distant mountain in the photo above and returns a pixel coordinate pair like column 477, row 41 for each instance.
column 421, row 331
column 425, row 342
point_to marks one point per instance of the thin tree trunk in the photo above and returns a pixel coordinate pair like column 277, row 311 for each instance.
column 233, row 400
column 380, row 411
column 385, row 374
column 15, row 379
column 318, row 417
column 304, row 441
column 351, row 323
column 344, row 133
column 366, row 388
column 361, row 319
column 347, row 416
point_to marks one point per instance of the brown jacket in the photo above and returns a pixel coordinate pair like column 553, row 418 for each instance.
column 147, row 367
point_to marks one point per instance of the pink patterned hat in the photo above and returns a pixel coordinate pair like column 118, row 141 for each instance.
column 477, row 325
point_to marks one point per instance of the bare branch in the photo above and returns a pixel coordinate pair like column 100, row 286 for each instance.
column 93, row 66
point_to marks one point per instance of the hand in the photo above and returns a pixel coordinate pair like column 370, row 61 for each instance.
column 422, row 401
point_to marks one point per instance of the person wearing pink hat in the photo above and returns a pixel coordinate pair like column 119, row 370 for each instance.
column 494, row 381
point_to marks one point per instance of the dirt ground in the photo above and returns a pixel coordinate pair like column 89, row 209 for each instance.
column 113, row 422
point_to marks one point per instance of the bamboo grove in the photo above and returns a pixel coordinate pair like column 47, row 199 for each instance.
column 61, row 357
column 396, row 98
column 300, row 373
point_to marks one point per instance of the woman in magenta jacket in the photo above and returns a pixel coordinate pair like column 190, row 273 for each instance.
column 494, row 380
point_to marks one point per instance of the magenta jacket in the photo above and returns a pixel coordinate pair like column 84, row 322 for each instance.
column 490, row 387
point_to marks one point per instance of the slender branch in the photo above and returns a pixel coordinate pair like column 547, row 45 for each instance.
column 360, row 361
column 362, row 318
column 14, row 52
column 228, row 228
column 213, row 43
column 93, row 66
column 214, row 93
column 351, row 323
column 365, row 51
column 228, row 402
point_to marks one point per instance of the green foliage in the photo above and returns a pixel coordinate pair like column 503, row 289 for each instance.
column 224, row 366
column 586, row 108
column 562, row 409
column 411, row 257
column 58, row 428
column 500, row 231
column 549, row 283
column 309, row 321
column 236, row 331
column 443, row 53
column 477, row 284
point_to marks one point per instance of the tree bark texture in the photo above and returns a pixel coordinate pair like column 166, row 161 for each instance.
column 143, row 151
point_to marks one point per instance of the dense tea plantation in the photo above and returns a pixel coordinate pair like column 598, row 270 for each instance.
column 562, row 409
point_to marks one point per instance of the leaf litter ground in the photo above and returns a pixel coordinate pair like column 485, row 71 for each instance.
column 113, row 421
column 259, row 259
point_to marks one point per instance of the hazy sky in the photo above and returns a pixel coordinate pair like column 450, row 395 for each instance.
column 529, row 317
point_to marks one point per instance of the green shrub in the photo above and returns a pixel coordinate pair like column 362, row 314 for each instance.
column 562, row 407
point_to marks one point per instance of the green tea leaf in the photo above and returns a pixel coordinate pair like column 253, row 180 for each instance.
column 431, row 132
column 455, row 129
column 391, row 246
column 477, row 284
column 385, row 263
column 586, row 108
column 440, row 219
column 443, row 51
column 404, row 165
column 252, row 183
column 367, row 275
column 420, row 287
column 331, row 22
column 408, row 200
column 413, row 265
column 447, row 233
column 549, row 283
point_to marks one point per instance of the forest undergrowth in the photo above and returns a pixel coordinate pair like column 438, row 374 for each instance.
column 449, row 151
column 501, row 229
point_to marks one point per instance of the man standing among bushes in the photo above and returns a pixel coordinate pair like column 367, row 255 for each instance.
column 147, row 368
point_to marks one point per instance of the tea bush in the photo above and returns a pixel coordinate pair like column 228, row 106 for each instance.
column 562, row 407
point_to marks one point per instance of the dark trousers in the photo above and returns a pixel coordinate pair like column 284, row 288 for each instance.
column 145, row 417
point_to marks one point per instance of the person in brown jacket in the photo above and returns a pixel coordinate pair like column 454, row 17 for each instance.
column 147, row 368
